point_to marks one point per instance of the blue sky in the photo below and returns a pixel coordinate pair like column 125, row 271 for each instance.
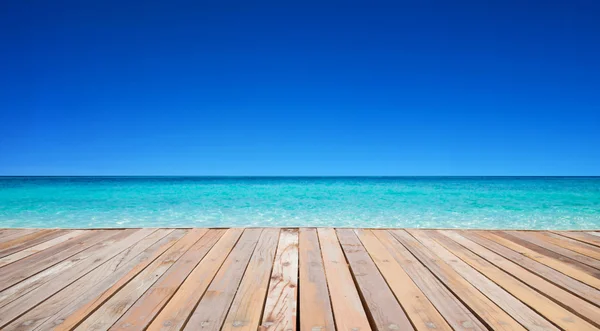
column 299, row 88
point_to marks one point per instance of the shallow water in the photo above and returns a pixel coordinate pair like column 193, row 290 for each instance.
column 421, row 202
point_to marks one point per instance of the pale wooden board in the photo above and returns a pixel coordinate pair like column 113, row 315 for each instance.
column 83, row 263
column 245, row 311
column 15, row 237
column 561, row 258
column 150, row 303
column 543, row 305
column 458, row 316
column 382, row 303
column 315, row 305
column 40, row 247
column 569, row 258
column 36, row 280
column 72, row 293
column 487, row 304
column 20, row 270
column 31, row 240
column 31, row 283
column 280, row 307
column 66, row 284
column 93, row 303
column 348, row 310
column 8, row 232
column 509, row 250
column 210, row 312
column 177, row 311
column 110, row 311
column 571, row 244
column 71, row 305
column 589, row 238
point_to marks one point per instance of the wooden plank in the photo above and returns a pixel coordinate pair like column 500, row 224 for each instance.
column 365, row 262
column 280, row 307
column 40, row 247
column 84, row 262
column 102, row 283
column 73, row 293
column 12, row 293
column 458, row 316
column 18, row 271
column 94, row 303
column 60, row 285
column 348, row 310
column 571, row 248
column 175, row 314
column 567, row 269
column 110, row 311
column 139, row 316
column 210, row 312
column 497, row 308
column 567, row 257
column 245, row 311
column 4, row 232
column 581, row 236
column 9, row 240
column 421, row 311
column 31, row 283
column 315, row 306
column 502, row 247
column 36, row 280
column 543, row 305
column 571, row 244
column 31, row 240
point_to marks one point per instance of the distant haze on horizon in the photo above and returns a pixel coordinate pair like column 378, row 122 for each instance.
column 273, row 88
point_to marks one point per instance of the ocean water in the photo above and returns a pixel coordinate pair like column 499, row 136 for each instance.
column 416, row 202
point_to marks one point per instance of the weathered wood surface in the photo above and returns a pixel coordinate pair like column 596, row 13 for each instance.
column 298, row 279
column 314, row 293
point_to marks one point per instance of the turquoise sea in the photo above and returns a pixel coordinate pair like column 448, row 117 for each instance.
column 420, row 202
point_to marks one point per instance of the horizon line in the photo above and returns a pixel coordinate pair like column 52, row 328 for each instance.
column 306, row 176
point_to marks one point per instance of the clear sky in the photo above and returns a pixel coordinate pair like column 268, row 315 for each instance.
column 299, row 87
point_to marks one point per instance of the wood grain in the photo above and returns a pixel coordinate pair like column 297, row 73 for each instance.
column 458, row 316
column 307, row 279
column 496, row 307
column 15, row 237
column 544, row 306
column 563, row 258
column 348, row 311
column 592, row 239
column 177, row 311
column 93, row 283
column 382, row 302
column 74, row 311
column 150, row 303
column 571, row 244
column 210, row 312
column 83, row 263
column 111, row 310
column 31, row 240
column 245, row 311
column 280, row 307
column 20, row 270
column 315, row 304
column 510, row 250
column 39, row 247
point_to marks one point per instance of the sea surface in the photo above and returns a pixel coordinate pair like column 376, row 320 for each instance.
column 416, row 202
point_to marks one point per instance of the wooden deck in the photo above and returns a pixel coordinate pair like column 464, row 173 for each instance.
column 298, row 279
